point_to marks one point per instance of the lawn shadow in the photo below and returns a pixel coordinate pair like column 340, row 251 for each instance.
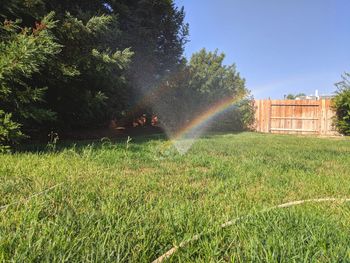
column 135, row 137
column 79, row 145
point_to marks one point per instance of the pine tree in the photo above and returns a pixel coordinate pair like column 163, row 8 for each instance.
column 86, row 81
column 24, row 52
column 109, row 51
column 157, row 33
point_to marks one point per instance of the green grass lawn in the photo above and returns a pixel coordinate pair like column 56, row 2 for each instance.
column 132, row 204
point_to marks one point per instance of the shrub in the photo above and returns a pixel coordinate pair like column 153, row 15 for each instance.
column 247, row 113
column 341, row 105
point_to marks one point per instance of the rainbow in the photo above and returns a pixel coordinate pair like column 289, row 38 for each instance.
column 204, row 118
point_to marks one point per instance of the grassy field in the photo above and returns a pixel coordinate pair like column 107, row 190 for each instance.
column 132, row 203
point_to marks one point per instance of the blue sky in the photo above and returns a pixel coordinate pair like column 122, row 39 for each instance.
column 278, row 46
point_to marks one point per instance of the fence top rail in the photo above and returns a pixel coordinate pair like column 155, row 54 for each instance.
column 295, row 102
column 296, row 118
column 296, row 130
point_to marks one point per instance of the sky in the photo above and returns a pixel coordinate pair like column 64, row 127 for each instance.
column 278, row 46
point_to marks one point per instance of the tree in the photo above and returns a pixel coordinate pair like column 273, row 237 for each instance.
column 212, row 79
column 86, row 81
column 200, row 85
column 113, row 52
column 156, row 32
column 293, row 97
column 341, row 105
column 290, row 97
column 24, row 52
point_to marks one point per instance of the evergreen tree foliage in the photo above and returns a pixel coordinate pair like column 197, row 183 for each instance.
column 23, row 53
column 10, row 131
column 71, row 64
column 86, row 80
column 157, row 33
column 113, row 52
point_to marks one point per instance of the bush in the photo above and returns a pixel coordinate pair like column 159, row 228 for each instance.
column 241, row 117
column 247, row 113
column 341, row 105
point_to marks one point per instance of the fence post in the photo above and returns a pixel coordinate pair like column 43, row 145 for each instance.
column 269, row 115
column 323, row 117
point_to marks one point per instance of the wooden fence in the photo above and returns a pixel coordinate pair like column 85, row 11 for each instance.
column 294, row 116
